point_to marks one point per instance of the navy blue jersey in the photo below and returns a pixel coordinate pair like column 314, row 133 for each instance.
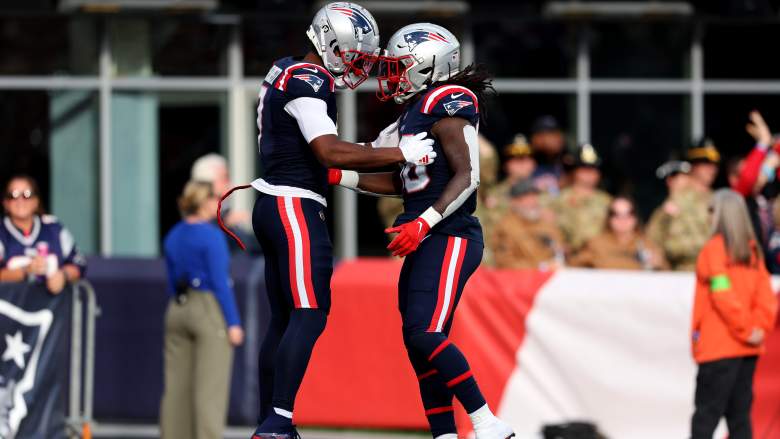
column 285, row 156
column 423, row 185
column 17, row 247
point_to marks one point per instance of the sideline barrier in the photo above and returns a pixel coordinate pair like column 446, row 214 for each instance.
column 38, row 327
column 84, row 313
column 608, row 346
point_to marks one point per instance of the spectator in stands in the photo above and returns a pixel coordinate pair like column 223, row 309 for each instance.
column 682, row 227
column 581, row 209
column 773, row 245
column 547, row 144
column 202, row 324
column 754, row 177
column 621, row 245
column 519, row 165
column 523, row 238
column 34, row 246
column 734, row 309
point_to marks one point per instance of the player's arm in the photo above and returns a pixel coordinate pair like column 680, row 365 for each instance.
column 459, row 141
column 318, row 129
column 380, row 184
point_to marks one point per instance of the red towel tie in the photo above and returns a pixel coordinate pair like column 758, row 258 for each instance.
column 219, row 215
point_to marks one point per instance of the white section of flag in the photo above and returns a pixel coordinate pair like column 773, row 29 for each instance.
column 611, row 347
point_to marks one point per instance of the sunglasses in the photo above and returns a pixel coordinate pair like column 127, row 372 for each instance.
column 17, row 194
column 614, row 214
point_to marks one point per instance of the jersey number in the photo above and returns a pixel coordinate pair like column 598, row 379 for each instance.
column 415, row 178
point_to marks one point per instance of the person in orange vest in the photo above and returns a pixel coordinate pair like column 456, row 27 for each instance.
column 734, row 310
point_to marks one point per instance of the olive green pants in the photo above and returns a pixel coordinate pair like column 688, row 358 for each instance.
column 198, row 362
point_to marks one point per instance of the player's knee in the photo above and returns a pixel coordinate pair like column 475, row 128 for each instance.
column 309, row 321
column 424, row 342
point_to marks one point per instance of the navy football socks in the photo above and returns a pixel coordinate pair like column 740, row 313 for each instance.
column 451, row 365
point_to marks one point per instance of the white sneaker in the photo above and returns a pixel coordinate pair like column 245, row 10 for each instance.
column 495, row 429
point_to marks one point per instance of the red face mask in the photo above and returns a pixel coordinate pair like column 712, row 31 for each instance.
column 392, row 77
column 358, row 66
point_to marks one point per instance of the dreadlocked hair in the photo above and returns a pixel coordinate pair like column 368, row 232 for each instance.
column 476, row 78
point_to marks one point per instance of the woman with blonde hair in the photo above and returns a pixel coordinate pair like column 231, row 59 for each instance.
column 202, row 324
column 734, row 310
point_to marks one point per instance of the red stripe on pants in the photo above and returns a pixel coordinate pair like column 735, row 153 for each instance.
column 464, row 243
column 445, row 267
column 290, row 250
column 306, row 252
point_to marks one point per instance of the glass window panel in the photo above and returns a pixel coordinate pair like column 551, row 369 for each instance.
column 168, row 47
column 53, row 137
column 530, row 49
column 739, row 50
column 646, row 49
column 727, row 115
column 190, row 126
column 61, row 45
column 631, row 148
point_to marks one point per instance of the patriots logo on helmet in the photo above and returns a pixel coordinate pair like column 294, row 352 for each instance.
column 452, row 107
column 420, row 36
column 358, row 19
column 313, row 80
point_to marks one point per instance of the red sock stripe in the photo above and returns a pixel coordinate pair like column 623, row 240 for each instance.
column 464, row 244
column 290, row 250
column 306, row 252
column 445, row 268
column 438, row 410
column 459, row 379
column 430, row 373
column 438, row 350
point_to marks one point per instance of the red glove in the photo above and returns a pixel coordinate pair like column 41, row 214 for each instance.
column 409, row 236
column 334, row 176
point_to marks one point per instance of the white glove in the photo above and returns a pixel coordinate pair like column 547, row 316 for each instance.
column 417, row 149
column 388, row 137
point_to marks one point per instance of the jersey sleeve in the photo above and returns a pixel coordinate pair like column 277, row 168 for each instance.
column 70, row 252
column 306, row 82
column 452, row 101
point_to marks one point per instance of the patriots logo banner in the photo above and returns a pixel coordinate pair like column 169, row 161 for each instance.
column 414, row 38
column 360, row 23
column 452, row 107
column 313, row 80
column 33, row 361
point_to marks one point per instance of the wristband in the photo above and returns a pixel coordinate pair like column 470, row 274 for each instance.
column 349, row 179
column 431, row 216
column 762, row 146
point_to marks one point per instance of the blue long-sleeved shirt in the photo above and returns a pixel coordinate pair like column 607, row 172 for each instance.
column 198, row 254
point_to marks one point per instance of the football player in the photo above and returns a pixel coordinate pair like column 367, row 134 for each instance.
column 298, row 140
column 437, row 232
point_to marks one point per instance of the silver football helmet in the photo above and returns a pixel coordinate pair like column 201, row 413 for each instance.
column 346, row 37
column 417, row 56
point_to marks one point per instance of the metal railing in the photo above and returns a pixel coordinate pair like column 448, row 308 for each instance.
column 84, row 312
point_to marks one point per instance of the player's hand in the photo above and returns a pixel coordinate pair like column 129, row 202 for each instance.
column 235, row 336
column 417, row 149
column 388, row 137
column 758, row 129
column 409, row 237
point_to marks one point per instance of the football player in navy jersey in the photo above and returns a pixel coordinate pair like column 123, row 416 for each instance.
column 298, row 142
column 437, row 232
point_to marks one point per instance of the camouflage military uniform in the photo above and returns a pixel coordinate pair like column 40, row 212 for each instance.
column 518, row 243
column 682, row 232
column 580, row 218
column 604, row 251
